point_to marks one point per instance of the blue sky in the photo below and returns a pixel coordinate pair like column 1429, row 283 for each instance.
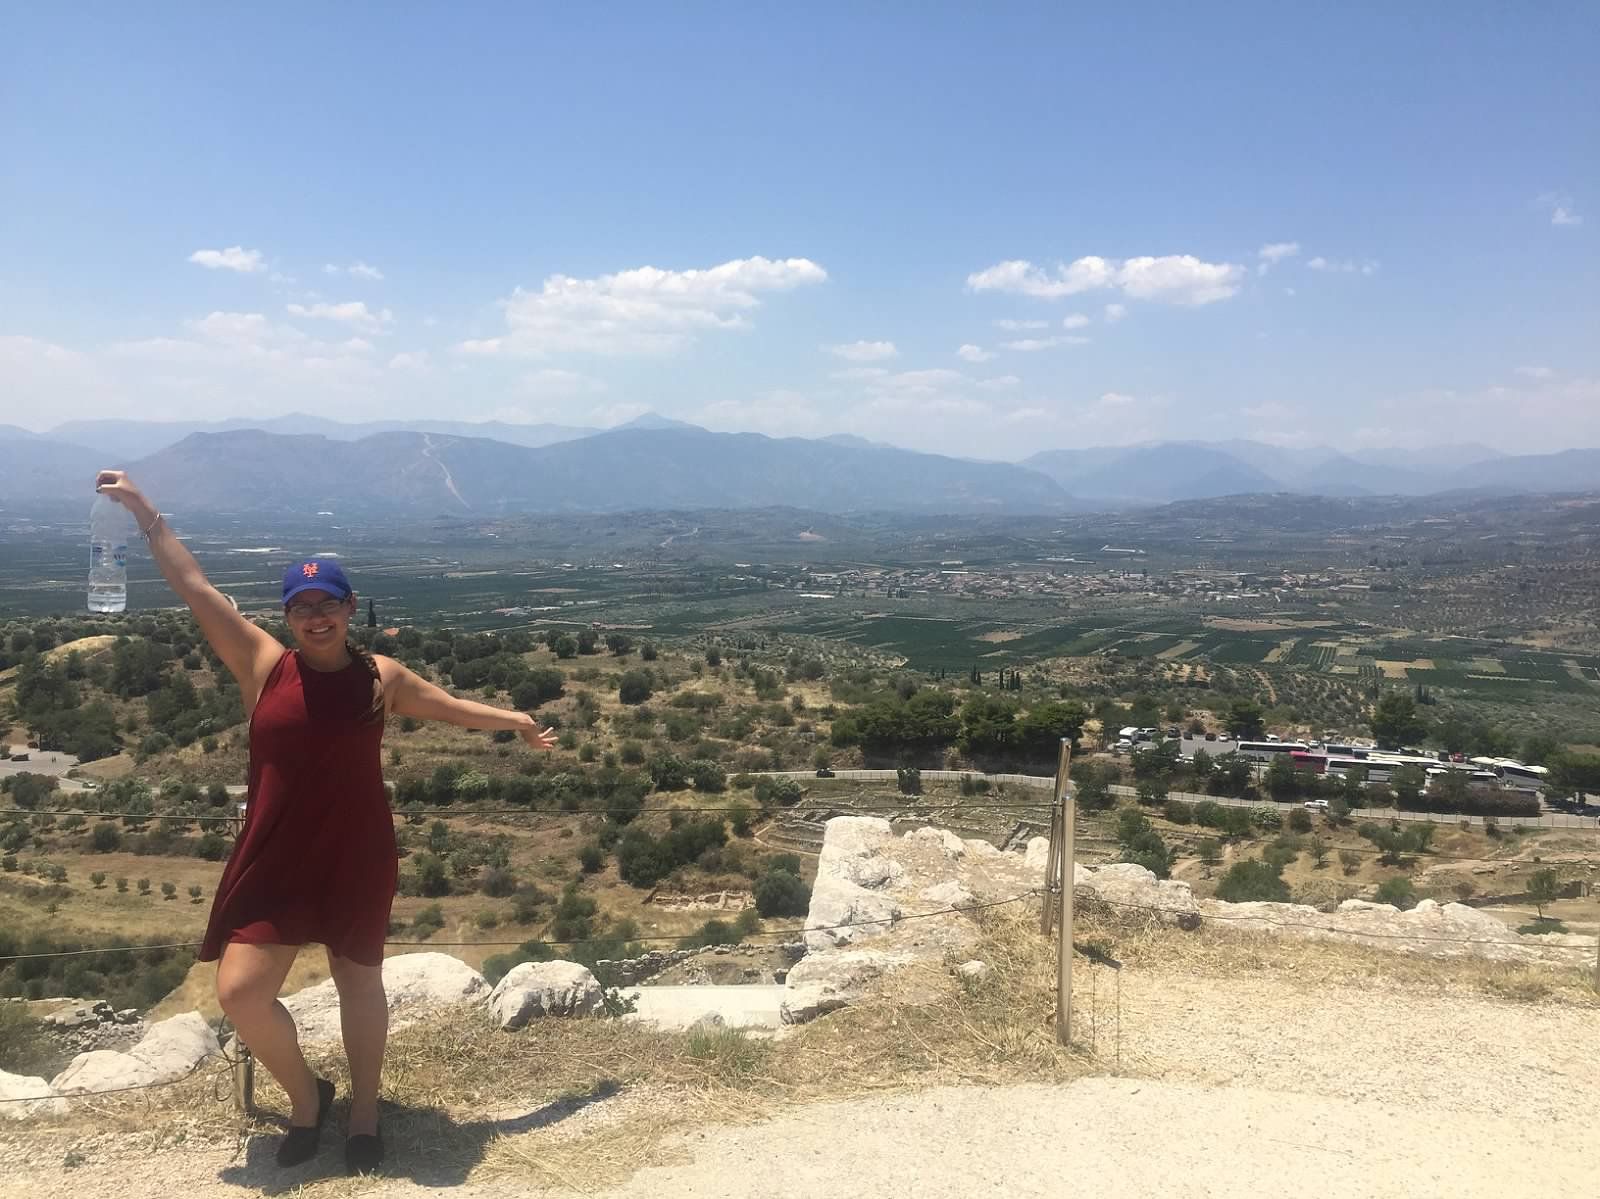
column 972, row 229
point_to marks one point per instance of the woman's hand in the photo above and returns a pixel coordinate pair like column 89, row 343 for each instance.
column 537, row 737
column 117, row 485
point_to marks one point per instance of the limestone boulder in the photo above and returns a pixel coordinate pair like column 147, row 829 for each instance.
column 974, row 972
column 824, row 982
column 170, row 1050
column 1037, row 855
column 1123, row 883
column 536, row 989
column 414, row 983
column 22, row 1097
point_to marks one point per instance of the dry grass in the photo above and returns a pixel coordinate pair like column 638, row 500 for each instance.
column 582, row 1104
column 1141, row 942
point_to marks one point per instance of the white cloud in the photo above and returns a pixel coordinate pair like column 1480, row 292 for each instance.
column 410, row 360
column 1343, row 266
column 1116, row 399
column 360, row 270
column 1031, row 345
column 1022, row 416
column 972, row 353
column 1275, row 252
column 778, row 413
column 553, row 382
column 864, row 351
column 1540, row 373
column 1012, row 326
column 999, row 383
column 1171, row 278
column 233, row 327
column 1115, row 312
column 1076, row 321
column 234, row 258
column 1560, row 207
column 350, row 312
column 642, row 311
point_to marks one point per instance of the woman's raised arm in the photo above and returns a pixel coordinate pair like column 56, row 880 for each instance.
column 410, row 695
column 246, row 650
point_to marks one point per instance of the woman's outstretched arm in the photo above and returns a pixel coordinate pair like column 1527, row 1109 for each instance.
column 246, row 650
column 410, row 695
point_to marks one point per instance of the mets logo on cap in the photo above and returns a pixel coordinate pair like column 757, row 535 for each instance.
column 316, row 574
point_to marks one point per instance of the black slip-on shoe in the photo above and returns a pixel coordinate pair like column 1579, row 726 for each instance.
column 363, row 1153
column 300, row 1144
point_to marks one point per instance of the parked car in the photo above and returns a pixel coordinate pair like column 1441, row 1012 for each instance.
column 1211, row 736
column 824, row 773
column 1320, row 804
column 1173, row 733
column 1122, row 746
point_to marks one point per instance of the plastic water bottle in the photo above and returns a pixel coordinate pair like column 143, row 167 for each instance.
column 110, row 526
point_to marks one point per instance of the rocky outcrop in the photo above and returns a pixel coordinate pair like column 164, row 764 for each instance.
column 536, row 989
column 866, row 873
column 23, row 1096
column 169, row 1051
column 414, row 984
column 908, row 898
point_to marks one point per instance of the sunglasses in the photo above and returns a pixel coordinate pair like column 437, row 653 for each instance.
column 306, row 611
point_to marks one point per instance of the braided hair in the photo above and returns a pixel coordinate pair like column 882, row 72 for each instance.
column 364, row 656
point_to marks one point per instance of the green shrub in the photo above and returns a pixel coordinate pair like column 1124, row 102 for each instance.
column 1299, row 820
column 1179, row 812
column 780, row 892
column 106, row 838
column 1397, row 890
column 427, row 922
column 591, row 859
column 1247, row 881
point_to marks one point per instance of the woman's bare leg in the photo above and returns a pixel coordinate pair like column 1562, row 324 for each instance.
column 364, row 1020
column 248, row 980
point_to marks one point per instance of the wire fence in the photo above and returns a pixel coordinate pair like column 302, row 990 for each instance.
column 792, row 932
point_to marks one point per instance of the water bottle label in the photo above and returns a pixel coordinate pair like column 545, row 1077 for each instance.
column 120, row 556
column 96, row 551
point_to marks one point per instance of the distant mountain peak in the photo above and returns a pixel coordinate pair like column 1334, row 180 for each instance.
column 654, row 420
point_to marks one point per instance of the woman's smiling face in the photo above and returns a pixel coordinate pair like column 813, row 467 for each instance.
column 320, row 620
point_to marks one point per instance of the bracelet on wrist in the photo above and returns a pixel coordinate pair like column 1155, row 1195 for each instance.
column 150, row 528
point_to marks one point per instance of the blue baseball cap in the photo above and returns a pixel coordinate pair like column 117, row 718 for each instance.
column 316, row 574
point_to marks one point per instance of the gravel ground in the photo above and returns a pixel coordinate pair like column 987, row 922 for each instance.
column 1226, row 1086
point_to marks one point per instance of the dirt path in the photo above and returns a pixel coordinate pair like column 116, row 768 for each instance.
column 1226, row 1086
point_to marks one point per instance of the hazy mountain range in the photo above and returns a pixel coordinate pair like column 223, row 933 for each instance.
column 438, row 467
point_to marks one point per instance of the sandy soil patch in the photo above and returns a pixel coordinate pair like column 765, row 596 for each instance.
column 1233, row 625
column 1397, row 670
column 1000, row 635
column 1283, row 648
column 1488, row 666
column 1177, row 651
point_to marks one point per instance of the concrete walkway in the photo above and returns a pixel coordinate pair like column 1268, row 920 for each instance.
column 753, row 1006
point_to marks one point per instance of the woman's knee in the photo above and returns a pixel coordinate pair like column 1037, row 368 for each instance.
column 240, row 994
column 352, row 978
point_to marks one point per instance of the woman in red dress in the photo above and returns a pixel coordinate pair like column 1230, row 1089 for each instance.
column 316, row 860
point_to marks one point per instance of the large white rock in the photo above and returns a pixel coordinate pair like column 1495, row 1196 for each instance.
column 823, row 982
column 1135, row 887
column 413, row 982
column 1037, row 855
column 170, row 1050
column 852, row 872
column 544, row 989
column 954, row 847
column 23, row 1096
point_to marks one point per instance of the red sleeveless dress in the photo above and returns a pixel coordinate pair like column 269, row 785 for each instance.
column 316, row 859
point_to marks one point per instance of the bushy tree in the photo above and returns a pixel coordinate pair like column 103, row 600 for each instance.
column 1395, row 721
column 635, row 687
column 1543, row 887
column 1244, row 882
column 781, row 893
